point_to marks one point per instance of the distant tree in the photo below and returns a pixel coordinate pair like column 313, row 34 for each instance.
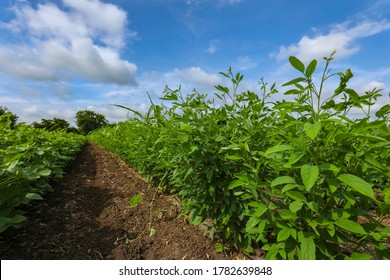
column 12, row 117
column 51, row 125
column 88, row 121
column 73, row 130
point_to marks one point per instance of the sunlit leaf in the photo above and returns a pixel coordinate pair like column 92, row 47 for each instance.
column 350, row 226
column 357, row 184
column 135, row 200
column 311, row 68
column 309, row 175
column 282, row 180
column 278, row 148
column 308, row 249
column 312, row 130
column 297, row 64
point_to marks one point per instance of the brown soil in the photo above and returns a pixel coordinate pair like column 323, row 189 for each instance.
column 88, row 217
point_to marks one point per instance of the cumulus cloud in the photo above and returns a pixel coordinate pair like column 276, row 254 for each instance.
column 197, row 76
column 24, row 64
column 341, row 37
column 77, row 42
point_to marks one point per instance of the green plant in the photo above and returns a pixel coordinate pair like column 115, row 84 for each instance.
column 299, row 178
column 327, row 173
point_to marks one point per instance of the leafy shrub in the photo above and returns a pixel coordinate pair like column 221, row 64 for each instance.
column 298, row 179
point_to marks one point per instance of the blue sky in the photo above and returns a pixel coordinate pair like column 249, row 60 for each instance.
column 59, row 57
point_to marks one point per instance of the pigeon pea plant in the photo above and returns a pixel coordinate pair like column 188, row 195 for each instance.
column 326, row 189
column 298, row 179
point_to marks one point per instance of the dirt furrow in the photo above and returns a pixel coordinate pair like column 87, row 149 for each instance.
column 88, row 217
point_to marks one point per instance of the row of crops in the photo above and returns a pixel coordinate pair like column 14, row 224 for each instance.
column 297, row 178
column 30, row 159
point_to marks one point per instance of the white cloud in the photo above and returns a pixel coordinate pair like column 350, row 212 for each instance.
column 21, row 62
column 49, row 21
column 245, row 63
column 75, row 43
column 372, row 85
column 83, row 58
column 112, row 24
column 213, row 47
column 197, row 77
column 341, row 37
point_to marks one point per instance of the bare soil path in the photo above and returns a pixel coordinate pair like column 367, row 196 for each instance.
column 88, row 217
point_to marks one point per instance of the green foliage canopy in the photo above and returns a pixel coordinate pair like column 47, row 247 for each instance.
column 88, row 121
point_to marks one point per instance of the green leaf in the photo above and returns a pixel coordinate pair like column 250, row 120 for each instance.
column 287, row 214
column 329, row 167
column 17, row 219
column 252, row 222
column 309, row 175
column 185, row 127
column 294, row 81
column 294, row 158
column 383, row 111
column 283, row 235
column 233, row 157
column 219, row 247
column 298, row 196
column 33, row 196
column 170, row 96
column 312, row 130
column 333, row 185
column 135, row 200
column 308, row 249
column 313, row 206
column 295, row 206
column 357, row 184
column 152, row 232
column 235, row 184
column 131, row 110
column 290, row 187
column 386, row 193
column 261, row 227
column 297, row 64
column 291, row 92
column 261, row 209
column 385, row 230
column 277, row 148
column 360, row 256
column 311, row 68
column 331, row 229
column 222, row 88
column 282, row 180
column 349, row 225
column 44, row 172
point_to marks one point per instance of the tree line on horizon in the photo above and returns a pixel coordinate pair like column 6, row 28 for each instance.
column 86, row 121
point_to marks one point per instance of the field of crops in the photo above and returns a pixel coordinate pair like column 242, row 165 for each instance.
column 30, row 159
column 298, row 179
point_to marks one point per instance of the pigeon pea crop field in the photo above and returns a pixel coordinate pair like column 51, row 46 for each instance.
column 30, row 159
column 297, row 178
